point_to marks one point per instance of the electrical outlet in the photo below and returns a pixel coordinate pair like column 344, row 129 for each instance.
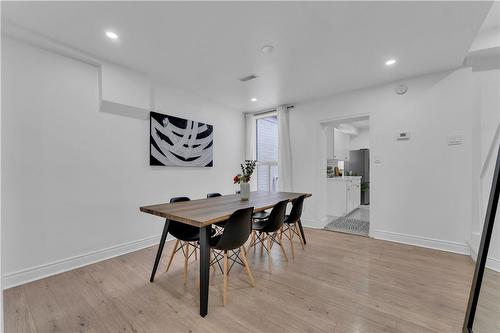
column 455, row 140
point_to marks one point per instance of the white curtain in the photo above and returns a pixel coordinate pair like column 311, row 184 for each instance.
column 284, row 150
column 250, row 143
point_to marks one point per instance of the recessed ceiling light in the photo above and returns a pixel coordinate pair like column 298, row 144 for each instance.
column 111, row 35
column 390, row 62
column 253, row 99
column 267, row 48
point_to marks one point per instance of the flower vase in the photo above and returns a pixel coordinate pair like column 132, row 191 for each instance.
column 244, row 191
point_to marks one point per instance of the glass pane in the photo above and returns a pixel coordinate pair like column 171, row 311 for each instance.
column 267, row 151
column 263, row 177
column 274, row 178
column 267, row 139
column 487, row 318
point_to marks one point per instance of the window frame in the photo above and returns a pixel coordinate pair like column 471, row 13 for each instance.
column 273, row 181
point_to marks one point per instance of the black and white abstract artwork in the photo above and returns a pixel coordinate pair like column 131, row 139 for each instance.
column 180, row 142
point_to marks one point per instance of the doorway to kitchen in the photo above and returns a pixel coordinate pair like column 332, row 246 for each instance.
column 348, row 175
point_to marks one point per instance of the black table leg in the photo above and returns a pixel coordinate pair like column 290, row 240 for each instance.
column 204, row 269
column 160, row 249
column 302, row 232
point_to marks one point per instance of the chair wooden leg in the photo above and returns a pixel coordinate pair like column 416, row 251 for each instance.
column 270, row 261
column 283, row 250
column 262, row 239
column 301, row 229
column 247, row 267
column 173, row 254
column 186, row 255
column 224, row 295
column 300, row 235
column 252, row 241
column 290, row 237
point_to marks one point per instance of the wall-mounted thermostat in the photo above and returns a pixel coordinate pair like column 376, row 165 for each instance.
column 403, row 136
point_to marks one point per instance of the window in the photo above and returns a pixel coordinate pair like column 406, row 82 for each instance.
column 267, row 152
column 340, row 165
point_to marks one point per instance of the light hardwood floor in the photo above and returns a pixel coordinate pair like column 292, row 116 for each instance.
column 488, row 305
column 340, row 283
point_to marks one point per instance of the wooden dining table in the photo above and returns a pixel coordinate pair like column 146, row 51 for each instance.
column 202, row 213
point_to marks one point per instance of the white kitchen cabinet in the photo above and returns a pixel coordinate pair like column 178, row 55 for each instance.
column 353, row 189
column 343, row 195
column 341, row 145
column 336, row 203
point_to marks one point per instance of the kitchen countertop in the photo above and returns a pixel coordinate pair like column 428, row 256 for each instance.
column 343, row 178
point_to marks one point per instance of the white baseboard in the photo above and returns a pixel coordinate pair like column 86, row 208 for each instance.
column 472, row 251
column 35, row 273
column 473, row 245
column 431, row 243
column 315, row 224
column 493, row 264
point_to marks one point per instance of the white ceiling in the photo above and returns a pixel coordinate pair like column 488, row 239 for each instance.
column 320, row 48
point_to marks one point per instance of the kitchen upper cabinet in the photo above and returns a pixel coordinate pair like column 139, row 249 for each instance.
column 329, row 143
column 341, row 145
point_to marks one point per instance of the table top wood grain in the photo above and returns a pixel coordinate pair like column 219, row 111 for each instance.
column 203, row 212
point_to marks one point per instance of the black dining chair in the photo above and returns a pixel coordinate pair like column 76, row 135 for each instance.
column 218, row 224
column 260, row 215
column 291, row 225
column 187, row 240
column 236, row 232
column 266, row 232
column 256, row 216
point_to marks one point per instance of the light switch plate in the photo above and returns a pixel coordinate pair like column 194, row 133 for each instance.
column 454, row 140
column 403, row 136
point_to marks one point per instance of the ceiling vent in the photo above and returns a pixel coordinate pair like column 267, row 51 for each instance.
column 248, row 78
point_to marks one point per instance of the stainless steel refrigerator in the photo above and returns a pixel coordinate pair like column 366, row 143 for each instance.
column 359, row 164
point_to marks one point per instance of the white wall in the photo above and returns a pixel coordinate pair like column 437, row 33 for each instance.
column 73, row 177
column 1, row 283
column 361, row 141
column 486, row 148
column 421, row 190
